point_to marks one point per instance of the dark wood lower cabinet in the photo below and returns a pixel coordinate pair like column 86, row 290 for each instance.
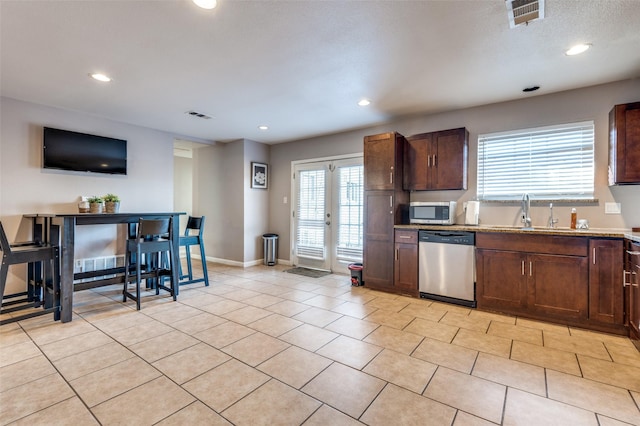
column 557, row 286
column 569, row 280
column 405, row 264
column 501, row 283
column 632, row 283
column 606, row 295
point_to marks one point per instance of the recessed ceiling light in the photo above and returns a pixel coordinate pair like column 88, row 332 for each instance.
column 100, row 77
column 577, row 49
column 364, row 102
column 206, row 4
column 263, row 127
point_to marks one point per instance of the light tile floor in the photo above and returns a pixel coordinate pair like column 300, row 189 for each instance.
column 263, row 347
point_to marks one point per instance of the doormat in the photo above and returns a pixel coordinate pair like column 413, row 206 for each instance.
column 312, row 273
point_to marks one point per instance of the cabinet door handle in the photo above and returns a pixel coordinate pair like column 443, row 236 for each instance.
column 523, row 267
column 633, row 253
column 530, row 269
column 428, row 161
column 594, row 255
column 391, row 201
column 624, row 278
column 391, row 178
column 404, row 236
column 435, row 163
column 396, row 254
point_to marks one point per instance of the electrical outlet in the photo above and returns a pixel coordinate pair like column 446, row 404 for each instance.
column 612, row 208
column 284, row 200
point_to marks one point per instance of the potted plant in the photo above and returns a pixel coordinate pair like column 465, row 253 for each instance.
column 111, row 203
column 95, row 204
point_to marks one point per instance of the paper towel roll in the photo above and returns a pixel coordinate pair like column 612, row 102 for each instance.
column 472, row 213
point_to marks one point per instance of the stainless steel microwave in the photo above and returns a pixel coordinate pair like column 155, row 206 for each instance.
column 433, row 212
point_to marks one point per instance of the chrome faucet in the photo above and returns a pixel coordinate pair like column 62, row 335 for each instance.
column 526, row 207
column 552, row 221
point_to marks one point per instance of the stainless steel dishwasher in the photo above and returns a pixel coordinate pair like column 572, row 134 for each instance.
column 447, row 266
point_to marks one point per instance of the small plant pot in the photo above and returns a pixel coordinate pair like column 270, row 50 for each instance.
column 96, row 207
column 112, row 206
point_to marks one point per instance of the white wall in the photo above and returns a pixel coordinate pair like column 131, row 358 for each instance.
column 256, row 202
column 27, row 188
column 593, row 103
column 236, row 214
column 218, row 189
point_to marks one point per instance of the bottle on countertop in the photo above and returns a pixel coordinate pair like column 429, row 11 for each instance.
column 574, row 218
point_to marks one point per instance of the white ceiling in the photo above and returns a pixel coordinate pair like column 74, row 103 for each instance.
column 301, row 66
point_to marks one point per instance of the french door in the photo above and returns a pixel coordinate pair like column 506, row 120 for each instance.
column 328, row 215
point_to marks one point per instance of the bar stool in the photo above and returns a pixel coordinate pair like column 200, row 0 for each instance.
column 188, row 240
column 45, row 283
column 154, row 239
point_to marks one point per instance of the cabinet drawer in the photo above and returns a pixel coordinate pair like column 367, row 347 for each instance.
column 406, row 236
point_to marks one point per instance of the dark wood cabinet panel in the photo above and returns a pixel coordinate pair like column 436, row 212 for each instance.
column 377, row 269
column 624, row 144
column 436, row 160
column 417, row 162
column 606, row 298
column 406, row 262
column 558, row 286
column 632, row 280
column 378, row 215
column 383, row 161
column 501, row 283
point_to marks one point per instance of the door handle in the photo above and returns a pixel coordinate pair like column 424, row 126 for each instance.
column 523, row 267
column 428, row 161
column 435, row 163
column 530, row 269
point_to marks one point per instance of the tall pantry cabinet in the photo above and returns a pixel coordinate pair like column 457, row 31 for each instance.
column 385, row 205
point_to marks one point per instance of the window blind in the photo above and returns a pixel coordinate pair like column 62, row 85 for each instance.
column 310, row 214
column 351, row 220
column 554, row 162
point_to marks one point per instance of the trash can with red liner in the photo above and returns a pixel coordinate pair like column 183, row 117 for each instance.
column 356, row 274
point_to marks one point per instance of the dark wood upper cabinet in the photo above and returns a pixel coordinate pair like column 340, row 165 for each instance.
column 436, row 160
column 624, row 144
column 383, row 155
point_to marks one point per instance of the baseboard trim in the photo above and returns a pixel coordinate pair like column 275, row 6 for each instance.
column 237, row 263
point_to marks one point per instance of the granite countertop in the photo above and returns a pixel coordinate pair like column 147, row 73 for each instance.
column 592, row 232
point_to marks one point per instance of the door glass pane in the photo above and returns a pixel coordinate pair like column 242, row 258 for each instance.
column 350, row 213
column 310, row 214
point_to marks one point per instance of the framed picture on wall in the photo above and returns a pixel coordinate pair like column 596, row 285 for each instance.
column 259, row 175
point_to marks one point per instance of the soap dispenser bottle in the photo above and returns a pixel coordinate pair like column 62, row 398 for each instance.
column 574, row 218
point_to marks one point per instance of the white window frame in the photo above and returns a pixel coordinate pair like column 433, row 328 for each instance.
column 550, row 163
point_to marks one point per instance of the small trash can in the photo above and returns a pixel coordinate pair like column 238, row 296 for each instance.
column 356, row 274
column 270, row 249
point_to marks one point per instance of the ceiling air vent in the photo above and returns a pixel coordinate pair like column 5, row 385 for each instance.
column 522, row 11
column 199, row 115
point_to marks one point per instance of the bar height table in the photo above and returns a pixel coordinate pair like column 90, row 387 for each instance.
column 67, row 243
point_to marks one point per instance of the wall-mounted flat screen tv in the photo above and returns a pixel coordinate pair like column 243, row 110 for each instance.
column 66, row 150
